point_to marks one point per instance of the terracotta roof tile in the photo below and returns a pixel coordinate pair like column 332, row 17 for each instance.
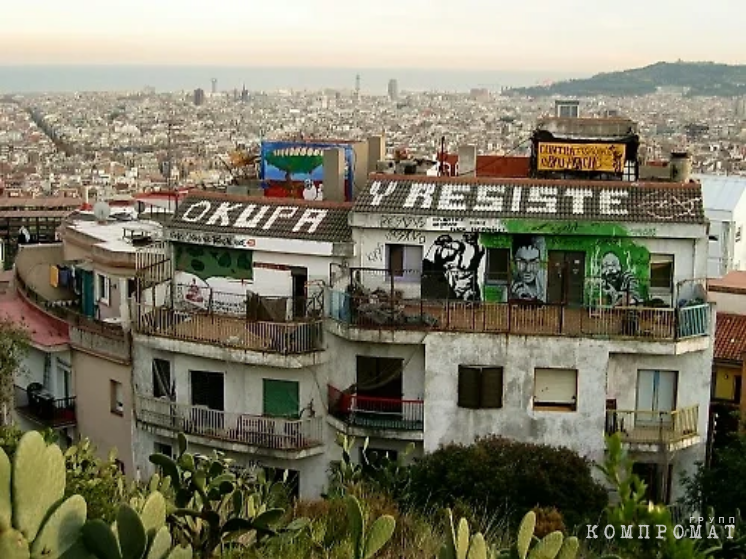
column 45, row 331
column 732, row 282
column 730, row 336
column 533, row 199
column 283, row 218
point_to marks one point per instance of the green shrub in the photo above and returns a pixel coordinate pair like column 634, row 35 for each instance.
column 504, row 475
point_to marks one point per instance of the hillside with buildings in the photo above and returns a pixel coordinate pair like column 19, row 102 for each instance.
column 696, row 78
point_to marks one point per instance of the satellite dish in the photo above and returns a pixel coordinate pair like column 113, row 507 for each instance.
column 101, row 211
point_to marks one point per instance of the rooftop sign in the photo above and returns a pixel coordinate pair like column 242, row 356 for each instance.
column 625, row 202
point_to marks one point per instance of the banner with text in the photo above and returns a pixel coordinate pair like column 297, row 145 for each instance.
column 606, row 158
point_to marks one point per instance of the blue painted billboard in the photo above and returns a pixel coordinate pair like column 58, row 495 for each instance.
column 297, row 168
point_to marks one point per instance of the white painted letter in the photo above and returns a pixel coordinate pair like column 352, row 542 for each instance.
column 244, row 215
column 578, row 199
column 204, row 204
column 420, row 190
column 606, row 532
column 254, row 221
column 312, row 218
column 647, row 532
column 378, row 196
column 627, row 532
column 696, row 531
column 487, row 203
column 282, row 211
column 661, row 531
column 679, row 531
column 712, row 534
column 730, row 528
column 452, row 196
column 542, row 199
column 515, row 206
column 222, row 214
column 592, row 532
column 610, row 201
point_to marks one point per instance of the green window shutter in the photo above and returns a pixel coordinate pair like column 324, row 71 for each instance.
column 492, row 387
column 468, row 387
column 281, row 398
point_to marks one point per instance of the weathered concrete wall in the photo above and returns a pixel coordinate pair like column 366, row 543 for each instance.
column 32, row 265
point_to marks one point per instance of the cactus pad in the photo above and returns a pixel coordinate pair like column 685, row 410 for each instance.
column 61, row 530
column 13, row 545
column 6, row 507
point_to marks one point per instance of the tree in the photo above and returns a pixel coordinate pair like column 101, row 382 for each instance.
column 14, row 345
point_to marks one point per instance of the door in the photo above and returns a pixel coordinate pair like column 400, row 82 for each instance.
column 566, row 277
column 281, row 398
column 300, row 278
column 208, row 397
column 89, row 308
column 656, row 395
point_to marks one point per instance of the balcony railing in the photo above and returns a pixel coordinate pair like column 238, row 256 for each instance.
column 654, row 427
column 254, row 430
column 375, row 312
column 43, row 408
column 376, row 413
column 229, row 330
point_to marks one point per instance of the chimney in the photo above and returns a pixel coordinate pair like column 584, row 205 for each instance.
column 376, row 151
column 467, row 161
column 334, row 175
column 680, row 166
column 84, row 193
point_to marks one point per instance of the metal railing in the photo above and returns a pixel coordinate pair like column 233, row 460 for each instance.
column 254, row 430
column 229, row 331
column 376, row 413
column 42, row 407
column 377, row 311
column 653, row 427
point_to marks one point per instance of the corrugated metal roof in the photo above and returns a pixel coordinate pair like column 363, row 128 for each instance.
column 533, row 199
column 721, row 192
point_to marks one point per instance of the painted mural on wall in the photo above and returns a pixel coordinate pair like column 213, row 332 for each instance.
column 450, row 268
column 212, row 277
column 529, row 274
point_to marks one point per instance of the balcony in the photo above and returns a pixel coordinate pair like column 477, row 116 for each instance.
column 38, row 405
column 100, row 338
column 648, row 430
column 376, row 414
column 268, row 433
column 379, row 311
column 282, row 325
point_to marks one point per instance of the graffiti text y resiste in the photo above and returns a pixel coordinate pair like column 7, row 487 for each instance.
column 498, row 198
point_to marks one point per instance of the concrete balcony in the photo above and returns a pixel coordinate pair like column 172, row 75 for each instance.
column 379, row 417
column 400, row 316
column 98, row 338
column 39, row 406
column 232, row 431
column 648, row 431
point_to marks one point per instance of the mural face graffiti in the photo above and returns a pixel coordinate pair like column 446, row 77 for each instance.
column 619, row 286
column 450, row 268
column 529, row 274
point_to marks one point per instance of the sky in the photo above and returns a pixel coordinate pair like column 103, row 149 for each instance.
column 568, row 35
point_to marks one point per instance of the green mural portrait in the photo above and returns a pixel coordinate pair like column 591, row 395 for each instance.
column 602, row 266
column 210, row 262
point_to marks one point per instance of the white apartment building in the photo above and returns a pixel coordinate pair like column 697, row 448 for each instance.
column 235, row 355
column 548, row 312
column 431, row 311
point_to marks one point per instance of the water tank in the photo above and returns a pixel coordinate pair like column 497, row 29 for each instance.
column 680, row 166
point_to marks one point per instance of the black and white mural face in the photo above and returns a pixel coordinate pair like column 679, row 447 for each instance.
column 619, row 286
column 529, row 275
column 450, row 268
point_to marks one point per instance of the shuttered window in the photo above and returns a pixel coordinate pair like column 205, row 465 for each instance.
column 480, row 387
column 281, row 398
column 556, row 388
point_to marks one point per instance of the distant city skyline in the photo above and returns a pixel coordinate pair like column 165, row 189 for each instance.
column 534, row 35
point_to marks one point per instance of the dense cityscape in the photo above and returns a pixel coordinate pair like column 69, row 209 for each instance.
column 289, row 311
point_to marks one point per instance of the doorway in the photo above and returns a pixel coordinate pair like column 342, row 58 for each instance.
column 656, row 396
column 379, row 392
column 300, row 279
column 566, row 277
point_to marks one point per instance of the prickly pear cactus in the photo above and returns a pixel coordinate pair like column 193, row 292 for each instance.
column 552, row 546
column 367, row 544
column 35, row 522
column 460, row 544
column 134, row 536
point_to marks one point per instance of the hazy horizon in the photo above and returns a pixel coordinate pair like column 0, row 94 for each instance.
column 534, row 35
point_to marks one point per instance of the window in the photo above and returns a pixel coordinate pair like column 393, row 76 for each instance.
column 404, row 261
column 119, row 464
column 281, row 398
column 661, row 271
column 104, row 287
column 116, row 397
column 163, row 448
column 162, row 378
column 498, row 265
column 480, row 387
column 556, row 389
